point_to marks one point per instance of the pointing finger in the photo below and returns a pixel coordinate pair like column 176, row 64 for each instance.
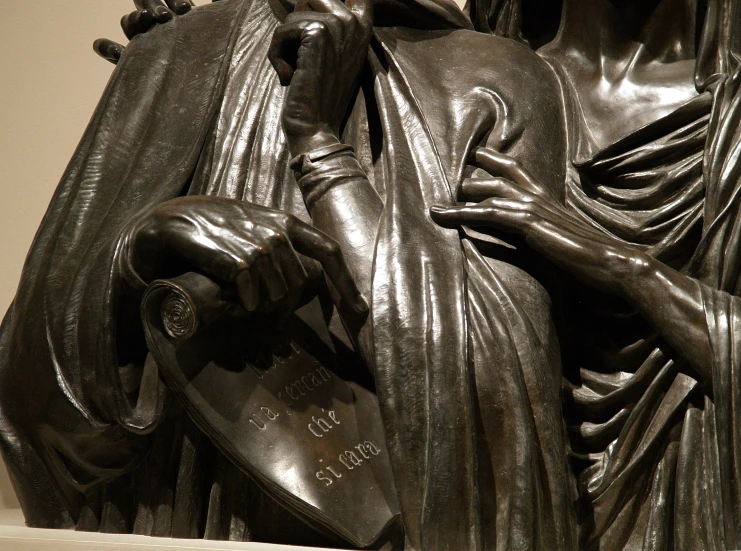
column 310, row 242
column 475, row 189
column 498, row 213
column 108, row 49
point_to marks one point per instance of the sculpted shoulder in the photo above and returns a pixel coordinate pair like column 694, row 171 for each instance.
column 207, row 28
column 467, row 60
column 473, row 84
column 494, row 60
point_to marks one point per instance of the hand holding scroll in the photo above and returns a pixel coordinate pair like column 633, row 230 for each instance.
column 253, row 249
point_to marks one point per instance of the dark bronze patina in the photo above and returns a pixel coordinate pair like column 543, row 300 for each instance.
column 391, row 275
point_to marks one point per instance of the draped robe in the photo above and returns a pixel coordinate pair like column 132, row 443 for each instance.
column 656, row 449
column 467, row 363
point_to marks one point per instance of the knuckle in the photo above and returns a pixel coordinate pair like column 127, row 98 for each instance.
column 248, row 259
column 332, row 249
column 316, row 29
column 346, row 18
column 278, row 238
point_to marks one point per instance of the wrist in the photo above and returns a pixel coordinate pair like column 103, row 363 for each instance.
column 141, row 253
column 636, row 269
column 321, row 171
column 302, row 144
column 126, row 259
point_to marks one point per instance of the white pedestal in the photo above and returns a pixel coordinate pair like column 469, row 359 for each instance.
column 15, row 536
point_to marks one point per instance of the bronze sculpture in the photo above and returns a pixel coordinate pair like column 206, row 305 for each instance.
column 615, row 159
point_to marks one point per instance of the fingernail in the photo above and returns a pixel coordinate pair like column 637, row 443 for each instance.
column 145, row 16
column 437, row 210
column 162, row 14
column 182, row 8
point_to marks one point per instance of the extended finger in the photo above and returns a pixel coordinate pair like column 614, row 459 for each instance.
column 137, row 22
column 180, row 7
column 162, row 14
column 498, row 213
column 512, row 215
column 271, row 275
column 479, row 189
column 311, row 242
column 248, row 288
column 108, row 49
column 497, row 164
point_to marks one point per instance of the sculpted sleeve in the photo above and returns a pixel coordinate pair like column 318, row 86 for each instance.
column 75, row 395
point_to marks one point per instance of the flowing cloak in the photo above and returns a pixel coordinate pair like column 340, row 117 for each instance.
column 657, row 452
column 467, row 364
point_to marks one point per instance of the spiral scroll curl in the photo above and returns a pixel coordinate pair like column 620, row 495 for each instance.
column 178, row 316
column 182, row 306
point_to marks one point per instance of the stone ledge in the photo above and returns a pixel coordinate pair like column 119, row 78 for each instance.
column 15, row 536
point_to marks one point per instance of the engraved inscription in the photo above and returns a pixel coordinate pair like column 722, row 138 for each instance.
column 304, row 385
column 350, row 460
column 321, row 426
column 259, row 420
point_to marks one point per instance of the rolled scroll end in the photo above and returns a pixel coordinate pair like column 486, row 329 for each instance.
column 185, row 304
column 179, row 316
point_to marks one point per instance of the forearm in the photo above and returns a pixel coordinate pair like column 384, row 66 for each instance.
column 672, row 303
column 343, row 204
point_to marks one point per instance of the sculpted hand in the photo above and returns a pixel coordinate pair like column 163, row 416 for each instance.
column 148, row 14
column 320, row 50
column 669, row 300
column 252, row 249
column 515, row 202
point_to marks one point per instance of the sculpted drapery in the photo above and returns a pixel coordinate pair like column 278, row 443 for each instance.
column 654, row 445
column 642, row 420
column 465, row 355
column 460, row 342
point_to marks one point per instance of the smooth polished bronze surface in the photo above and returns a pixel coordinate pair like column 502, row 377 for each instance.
column 389, row 275
column 272, row 403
